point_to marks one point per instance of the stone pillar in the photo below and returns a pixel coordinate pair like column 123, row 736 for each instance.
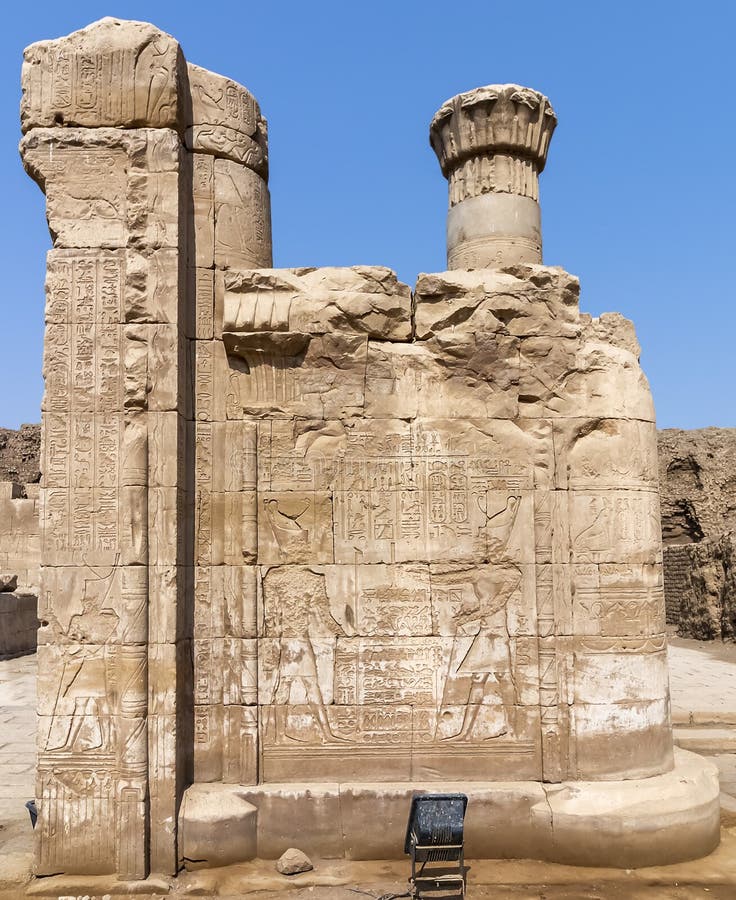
column 112, row 138
column 232, row 229
column 492, row 144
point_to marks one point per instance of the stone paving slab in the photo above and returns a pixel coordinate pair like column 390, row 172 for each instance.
column 702, row 680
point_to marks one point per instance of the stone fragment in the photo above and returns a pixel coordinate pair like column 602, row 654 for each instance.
column 292, row 862
column 8, row 582
column 362, row 299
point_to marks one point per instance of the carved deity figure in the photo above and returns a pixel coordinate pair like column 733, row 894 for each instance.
column 479, row 686
column 81, row 719
column 304, row 624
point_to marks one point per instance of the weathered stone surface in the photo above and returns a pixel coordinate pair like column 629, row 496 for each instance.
column 226, row 121
column 293, row 861
column 19, row 454
column 302, row 527
column 111, row 73
column 362, row 300
column 630, row 823
column 698, row 486
column 217, row 826
column 20, row 546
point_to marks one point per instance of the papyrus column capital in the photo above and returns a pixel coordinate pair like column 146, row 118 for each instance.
column 492, row 144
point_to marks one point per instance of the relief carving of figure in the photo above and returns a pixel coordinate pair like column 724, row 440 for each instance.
column 499, row 526
column 81, row 718
column 479, row 686
column 302, row 620
column 596, row 535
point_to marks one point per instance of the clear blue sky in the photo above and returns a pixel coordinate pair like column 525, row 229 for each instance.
column 638, row 197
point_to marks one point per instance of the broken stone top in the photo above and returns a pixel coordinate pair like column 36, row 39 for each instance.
column 495, row 119
column 123, row 74
column 111, row 73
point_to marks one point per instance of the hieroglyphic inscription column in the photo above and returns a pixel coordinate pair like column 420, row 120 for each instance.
column 231, row 229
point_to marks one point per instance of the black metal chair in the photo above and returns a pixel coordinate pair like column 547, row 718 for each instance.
column 435, row 843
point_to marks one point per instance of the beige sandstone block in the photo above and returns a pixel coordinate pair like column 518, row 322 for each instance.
column 204, row 303
column 226, row 601
column 208, row 742
column 111, row 73
column 606, row 454
column 234, row 537
column 218, row 101
column 294, row 527
column 284, row 375
column 523, row 301
column 203, row 202
column 217, row 827
column 615, row 526
column 362, row 299
column 618, row 600
column 402, row 379
column 169, row 618
column 621, row 740
column 164, row 662
column 100, row 190
column 242, row 217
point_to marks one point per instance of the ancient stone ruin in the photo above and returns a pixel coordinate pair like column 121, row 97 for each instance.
column 697, row 477
column 20, row 543
column 311, row 540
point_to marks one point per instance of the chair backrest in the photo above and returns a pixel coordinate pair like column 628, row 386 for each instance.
column 435, row 819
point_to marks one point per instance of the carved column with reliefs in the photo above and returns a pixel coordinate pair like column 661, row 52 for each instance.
column 232, row 229
column 492, row 144
column 154, row 174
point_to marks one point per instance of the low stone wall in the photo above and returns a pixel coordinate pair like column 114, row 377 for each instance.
column 20, row 543
column 18, row 624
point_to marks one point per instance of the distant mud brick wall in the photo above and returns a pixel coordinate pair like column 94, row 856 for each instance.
column 676, row 564
column 18, row 624
column 704, row 587
column 697, row 476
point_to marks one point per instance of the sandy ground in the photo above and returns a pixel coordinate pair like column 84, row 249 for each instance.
column 703, row 687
